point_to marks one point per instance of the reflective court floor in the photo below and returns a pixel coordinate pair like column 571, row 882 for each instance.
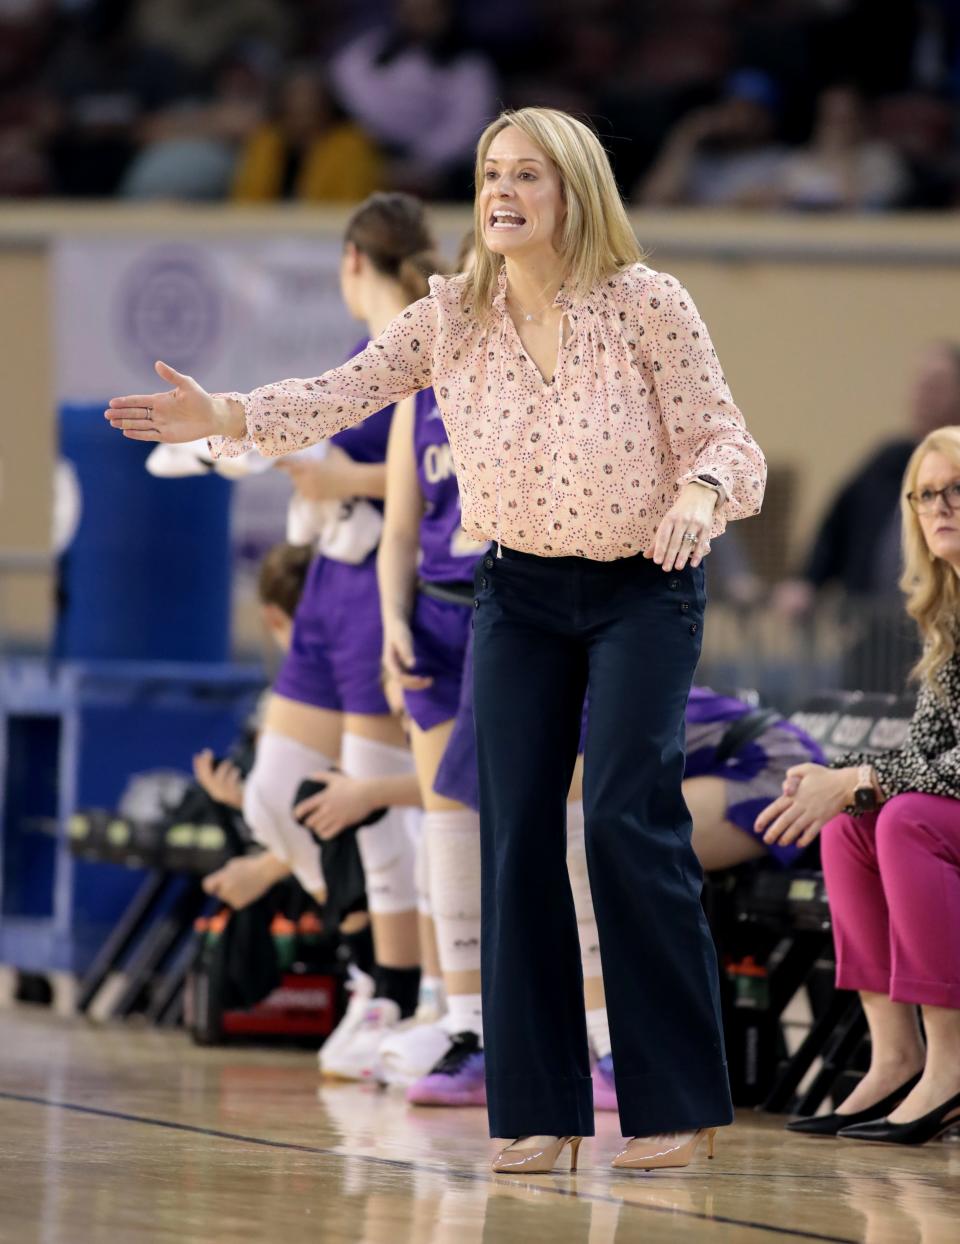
column 119, row 1135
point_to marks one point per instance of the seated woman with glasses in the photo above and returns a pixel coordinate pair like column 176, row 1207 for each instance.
column 891, row 846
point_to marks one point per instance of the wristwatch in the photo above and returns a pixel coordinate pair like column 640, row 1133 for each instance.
column 711, row 481
column 866, row 796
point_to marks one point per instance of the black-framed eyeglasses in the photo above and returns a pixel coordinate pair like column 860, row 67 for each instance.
column 925, row 501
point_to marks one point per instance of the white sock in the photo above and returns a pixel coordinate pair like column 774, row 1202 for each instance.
column 432, row 993
column 599, row 1032
column 464, row 1014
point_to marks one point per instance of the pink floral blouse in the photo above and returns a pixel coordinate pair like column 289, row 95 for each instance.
column 585, row 464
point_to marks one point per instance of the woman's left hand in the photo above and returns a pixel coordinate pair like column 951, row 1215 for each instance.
column 691, row 514
column 814, row 794
column 345, row 801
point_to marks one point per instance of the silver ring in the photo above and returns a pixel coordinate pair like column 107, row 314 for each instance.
column 689, row 535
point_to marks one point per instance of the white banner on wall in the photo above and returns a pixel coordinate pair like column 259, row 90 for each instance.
column 235, row 313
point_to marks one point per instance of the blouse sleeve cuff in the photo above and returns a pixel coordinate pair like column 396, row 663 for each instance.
column 229, row 446
column 723, row 484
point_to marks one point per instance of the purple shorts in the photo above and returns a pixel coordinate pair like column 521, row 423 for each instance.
column 457, row 773
column 754, row 778
column 440, row 632
column 334, row 657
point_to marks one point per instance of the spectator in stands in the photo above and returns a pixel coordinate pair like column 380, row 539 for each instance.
column 922, row 130
column 843, row 168
column 725, row 155
column 422, row 93
column 891, row 845
column 857, row 544
column 103, row 85
column 307, row 150
column 25, row 121
column 200, row 33
column 189, row 149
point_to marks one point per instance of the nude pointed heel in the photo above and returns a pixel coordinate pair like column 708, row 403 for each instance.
column 512, row 1161
column 643, row 1153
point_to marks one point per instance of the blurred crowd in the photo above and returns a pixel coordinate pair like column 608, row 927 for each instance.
column 802, row 104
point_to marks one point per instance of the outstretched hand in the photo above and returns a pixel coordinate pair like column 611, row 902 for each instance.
column 186, row 412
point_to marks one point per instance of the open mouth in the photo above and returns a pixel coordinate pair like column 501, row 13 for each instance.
column 504, row 219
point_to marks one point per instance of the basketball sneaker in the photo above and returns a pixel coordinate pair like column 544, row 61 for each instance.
column 604, row 1088
column 456, row 1079
column 350, row 1052
column 406, row 1056
column 412, row 1048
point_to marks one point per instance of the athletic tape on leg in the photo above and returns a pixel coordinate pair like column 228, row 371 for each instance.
column 421, row 865
column 386, row 848
column 453, row 860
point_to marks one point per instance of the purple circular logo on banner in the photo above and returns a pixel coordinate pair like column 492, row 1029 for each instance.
column 171, row 307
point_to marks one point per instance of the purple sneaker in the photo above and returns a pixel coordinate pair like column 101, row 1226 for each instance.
column 604, row 1088
column 457, row 1079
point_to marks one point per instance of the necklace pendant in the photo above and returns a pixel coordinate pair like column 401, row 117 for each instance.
column 528, row 318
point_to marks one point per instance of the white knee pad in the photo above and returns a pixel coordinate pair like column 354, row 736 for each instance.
column 453, row 860
column 582, row 898
column 280, row 766
column 386, row 848
column 421, row 869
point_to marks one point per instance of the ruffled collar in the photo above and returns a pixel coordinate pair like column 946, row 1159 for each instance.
column 606, row 295
column 563, row 298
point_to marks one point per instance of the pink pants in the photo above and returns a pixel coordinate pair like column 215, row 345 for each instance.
column 893, row 880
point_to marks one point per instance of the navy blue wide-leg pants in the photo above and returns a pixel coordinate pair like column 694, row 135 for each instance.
column 545, row 631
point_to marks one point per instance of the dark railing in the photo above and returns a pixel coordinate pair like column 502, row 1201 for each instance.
column 847, row 644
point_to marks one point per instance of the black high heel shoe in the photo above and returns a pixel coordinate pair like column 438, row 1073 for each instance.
column 917, row 1132
column 831, row 1124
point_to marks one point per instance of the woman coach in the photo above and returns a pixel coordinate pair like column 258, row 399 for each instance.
column 598, row 446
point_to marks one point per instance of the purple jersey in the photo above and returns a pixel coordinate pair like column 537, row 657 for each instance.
column 446, row 553
column 366, row 441
column 708, row 717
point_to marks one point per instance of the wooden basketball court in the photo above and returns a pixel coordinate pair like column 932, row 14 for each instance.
column 120, row 1135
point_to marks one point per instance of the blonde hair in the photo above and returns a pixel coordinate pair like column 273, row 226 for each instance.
column 596, row 239
column 931, row 585
column 465, row 251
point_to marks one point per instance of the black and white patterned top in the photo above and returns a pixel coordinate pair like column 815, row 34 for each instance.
column 929, row 760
